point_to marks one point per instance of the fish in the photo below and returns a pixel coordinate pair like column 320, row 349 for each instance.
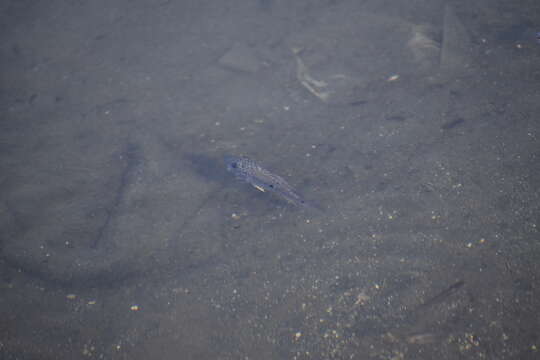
column 248, row 170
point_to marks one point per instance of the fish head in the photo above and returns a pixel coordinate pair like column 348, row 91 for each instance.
column 231, row 162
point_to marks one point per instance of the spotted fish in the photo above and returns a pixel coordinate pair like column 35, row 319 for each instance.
column 251, row 172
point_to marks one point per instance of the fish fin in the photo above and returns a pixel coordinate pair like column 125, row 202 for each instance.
column 259, row 188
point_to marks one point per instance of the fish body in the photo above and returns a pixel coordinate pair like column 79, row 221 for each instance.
column 262, row 179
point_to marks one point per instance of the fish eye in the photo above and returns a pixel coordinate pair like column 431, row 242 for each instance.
column 234, row 165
